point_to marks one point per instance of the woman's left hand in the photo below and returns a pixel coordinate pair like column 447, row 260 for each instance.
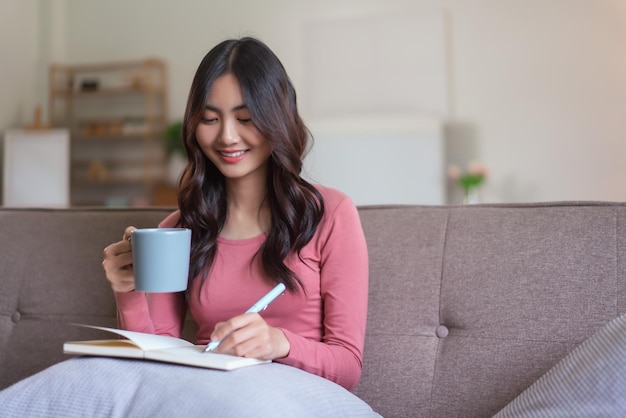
column 248, row 335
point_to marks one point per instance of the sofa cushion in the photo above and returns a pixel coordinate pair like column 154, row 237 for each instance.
column 588, row 382
column 521, row 287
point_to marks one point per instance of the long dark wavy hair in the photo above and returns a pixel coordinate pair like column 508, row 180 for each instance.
column 296, row 206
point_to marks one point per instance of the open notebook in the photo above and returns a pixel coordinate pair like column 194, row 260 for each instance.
column 162, row 348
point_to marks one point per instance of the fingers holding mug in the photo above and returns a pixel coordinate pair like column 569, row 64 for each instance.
column 117, row 263
column 128, row 232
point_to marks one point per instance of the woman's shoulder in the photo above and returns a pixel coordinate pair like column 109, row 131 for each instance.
column 333, row 198
column 341, row 216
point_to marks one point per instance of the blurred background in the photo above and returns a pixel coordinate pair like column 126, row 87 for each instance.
column 394, row 92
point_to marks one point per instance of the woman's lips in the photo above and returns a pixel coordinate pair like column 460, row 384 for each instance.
column 233, row 156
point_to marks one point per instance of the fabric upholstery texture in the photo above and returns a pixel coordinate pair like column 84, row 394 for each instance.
column 468, row 305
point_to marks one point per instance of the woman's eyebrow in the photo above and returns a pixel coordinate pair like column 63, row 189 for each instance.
column 234, row 109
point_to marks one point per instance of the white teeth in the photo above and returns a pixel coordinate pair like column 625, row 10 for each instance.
column 233, row 154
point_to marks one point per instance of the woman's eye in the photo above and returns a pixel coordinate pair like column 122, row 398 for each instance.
column 244, row 120
column 209, row 121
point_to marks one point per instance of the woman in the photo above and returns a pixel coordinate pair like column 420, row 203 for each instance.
column 255, row 222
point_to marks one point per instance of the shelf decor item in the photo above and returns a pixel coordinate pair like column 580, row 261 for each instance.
column 175, row 151
column 470, row 180
column 173, row 138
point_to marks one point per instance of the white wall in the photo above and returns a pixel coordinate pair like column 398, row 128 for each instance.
column 536, row 89
column 18, row 62
column 543, row 86
column 18, row 54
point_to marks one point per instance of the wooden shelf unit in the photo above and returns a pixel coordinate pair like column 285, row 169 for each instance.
column 116, row 113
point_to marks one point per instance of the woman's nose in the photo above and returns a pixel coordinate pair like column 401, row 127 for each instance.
column 228, row 133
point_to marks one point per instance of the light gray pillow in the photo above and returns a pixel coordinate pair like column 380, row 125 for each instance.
column 589, row 382
column 105, row 387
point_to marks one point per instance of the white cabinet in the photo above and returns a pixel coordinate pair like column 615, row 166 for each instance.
column 36, row 168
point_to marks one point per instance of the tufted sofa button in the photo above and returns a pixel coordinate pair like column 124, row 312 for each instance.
column 442, row 331
column 16, row 317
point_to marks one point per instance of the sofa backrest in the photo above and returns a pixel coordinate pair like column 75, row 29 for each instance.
column 471, row 304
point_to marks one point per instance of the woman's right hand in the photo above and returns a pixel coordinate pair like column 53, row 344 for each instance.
column 118, row 263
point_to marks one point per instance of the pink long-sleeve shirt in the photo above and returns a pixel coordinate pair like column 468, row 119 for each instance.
column 325, row 326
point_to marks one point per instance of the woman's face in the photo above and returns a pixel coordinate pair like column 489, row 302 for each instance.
column 227, row 135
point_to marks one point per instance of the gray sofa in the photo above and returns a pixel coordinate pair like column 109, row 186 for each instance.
column 469, row 305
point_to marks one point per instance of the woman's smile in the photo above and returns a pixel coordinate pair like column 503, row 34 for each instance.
column 233, row 156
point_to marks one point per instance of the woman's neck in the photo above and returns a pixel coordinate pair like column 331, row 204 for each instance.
column 248, row 210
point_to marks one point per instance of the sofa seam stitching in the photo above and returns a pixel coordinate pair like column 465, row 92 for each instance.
column 443, row 252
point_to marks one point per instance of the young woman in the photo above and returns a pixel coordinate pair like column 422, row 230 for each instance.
column 255, row 223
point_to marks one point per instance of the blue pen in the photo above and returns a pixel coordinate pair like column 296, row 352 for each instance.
column 256, row 308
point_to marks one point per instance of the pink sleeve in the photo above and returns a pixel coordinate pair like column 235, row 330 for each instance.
column 344, row 287
column 154, row 313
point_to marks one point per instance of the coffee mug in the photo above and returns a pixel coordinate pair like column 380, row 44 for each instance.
column 161, row 259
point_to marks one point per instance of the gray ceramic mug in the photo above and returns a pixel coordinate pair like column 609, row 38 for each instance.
column 161, row 259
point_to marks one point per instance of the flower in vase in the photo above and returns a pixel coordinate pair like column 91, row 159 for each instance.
column 469, row 180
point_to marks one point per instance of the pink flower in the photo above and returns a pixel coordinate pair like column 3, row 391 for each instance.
column 478, row 169
column 472, row 178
